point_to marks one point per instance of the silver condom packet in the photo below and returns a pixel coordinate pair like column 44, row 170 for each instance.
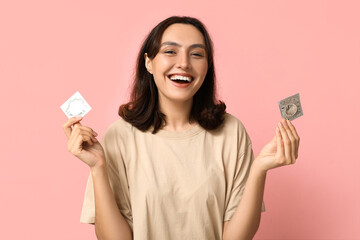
column 290, row 107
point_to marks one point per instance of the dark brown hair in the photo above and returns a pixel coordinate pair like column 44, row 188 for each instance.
column 143, row 109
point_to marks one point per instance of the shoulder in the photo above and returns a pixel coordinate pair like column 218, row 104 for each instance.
column 119, row 124
column 119, row 128
column 231, row 123
column 232, row 126
column 230, row 119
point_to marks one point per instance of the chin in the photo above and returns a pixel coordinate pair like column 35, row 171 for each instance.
column 180, row 98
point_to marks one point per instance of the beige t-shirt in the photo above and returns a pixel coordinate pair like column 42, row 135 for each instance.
column 175, row 185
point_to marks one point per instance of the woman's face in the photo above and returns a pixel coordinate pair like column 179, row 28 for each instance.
column 180, row 66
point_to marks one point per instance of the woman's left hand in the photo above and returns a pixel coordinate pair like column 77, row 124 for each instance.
column 282, row 149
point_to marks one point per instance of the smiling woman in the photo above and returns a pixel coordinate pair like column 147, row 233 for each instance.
column 175, row 165
column 176, row 48
column 179, row 68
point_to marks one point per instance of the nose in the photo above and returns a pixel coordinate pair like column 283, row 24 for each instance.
column 183, row 61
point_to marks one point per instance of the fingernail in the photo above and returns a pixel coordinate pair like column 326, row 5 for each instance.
column 280, row 125
column 95, row 133
column 78, row 117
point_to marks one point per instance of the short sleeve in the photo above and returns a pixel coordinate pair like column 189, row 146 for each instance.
column 241, row 173
column 112, row 145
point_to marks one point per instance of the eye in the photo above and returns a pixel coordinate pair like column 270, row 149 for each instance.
column 198, row 54
column 170, row 52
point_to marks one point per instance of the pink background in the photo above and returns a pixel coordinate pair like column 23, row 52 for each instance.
column 264, row 51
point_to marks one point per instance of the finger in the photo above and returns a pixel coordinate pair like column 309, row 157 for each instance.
column 297, row 138
column 67, row 126
column 85, row 135
column 73, row 143
column 77, row 147
column 287, row 144
column 85, row 129
column 292, row 140
column 76, row 125
column 286, row 128
column 293, row 129
column 78, row 143
column 90, row 130
column 279, row 144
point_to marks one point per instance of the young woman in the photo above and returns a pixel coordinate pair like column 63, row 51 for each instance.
column 176, row 165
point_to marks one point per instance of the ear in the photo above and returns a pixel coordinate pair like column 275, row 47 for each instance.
column 148, row 64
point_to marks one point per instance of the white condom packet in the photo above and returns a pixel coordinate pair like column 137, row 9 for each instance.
column 75, row 106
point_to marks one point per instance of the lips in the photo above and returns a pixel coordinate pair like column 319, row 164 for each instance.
column 181, row 75
column 179, row 83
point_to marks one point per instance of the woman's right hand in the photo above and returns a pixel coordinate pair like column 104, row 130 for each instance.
column 83, row 143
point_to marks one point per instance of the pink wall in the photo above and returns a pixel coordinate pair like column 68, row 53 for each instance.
column 264, row 50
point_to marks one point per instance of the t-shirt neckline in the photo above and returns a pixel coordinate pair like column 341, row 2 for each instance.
column 179, row 134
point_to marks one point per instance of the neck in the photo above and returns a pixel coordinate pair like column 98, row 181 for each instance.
column 177, row 114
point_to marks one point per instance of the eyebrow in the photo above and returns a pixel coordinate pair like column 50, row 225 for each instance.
column 178, row 45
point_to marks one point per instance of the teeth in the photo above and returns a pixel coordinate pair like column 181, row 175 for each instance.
column 178, row 77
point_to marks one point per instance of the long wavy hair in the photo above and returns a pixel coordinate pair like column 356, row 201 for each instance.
column 142, row 111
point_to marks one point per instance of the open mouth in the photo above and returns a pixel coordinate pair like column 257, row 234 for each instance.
column 180, row 79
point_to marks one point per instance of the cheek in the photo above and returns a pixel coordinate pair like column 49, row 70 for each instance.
column 202, row 69
column 164, row 63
